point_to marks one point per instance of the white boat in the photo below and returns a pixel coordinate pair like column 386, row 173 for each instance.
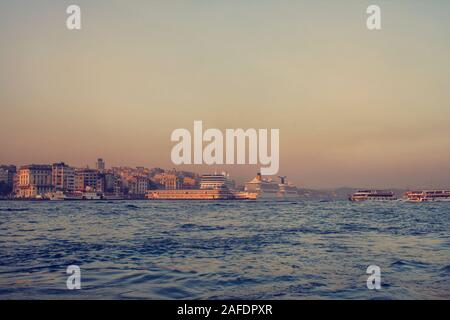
column 428, row 196
column 91, row 196
column 286, row 190
column 372, row 195
column 62, row 196
column 56, row 196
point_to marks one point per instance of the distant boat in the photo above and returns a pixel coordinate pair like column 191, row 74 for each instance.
column 285, row 189
column 428, row 196
column 212, row 187
column 191, row 194
column 62, row 196
column 372, row 195
column 91, row 196
column 56, row 196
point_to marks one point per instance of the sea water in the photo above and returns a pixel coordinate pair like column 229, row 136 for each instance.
column 224, row 249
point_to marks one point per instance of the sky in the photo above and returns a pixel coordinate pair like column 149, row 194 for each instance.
column 354, row 107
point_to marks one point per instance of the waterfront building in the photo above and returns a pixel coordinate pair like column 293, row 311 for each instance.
column 34, row 181
column 110, row 181
column 127, row 172
column 88, row 179
column 63, row 177
column 118, row 186
column 3, row 176
column 169, row 181
column 172, row 182
column 138, row 185
column 189, row 183
column 15, row 189
column 7, row 174
column 100, row 165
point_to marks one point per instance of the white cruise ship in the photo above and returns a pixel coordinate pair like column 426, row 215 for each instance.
column 285, row 189
column 268, row 189
column 216, row 181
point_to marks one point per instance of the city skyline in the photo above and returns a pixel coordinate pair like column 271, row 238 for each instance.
column 240, row 180
column 354, row 108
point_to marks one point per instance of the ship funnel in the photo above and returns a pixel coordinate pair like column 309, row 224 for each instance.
column 282, row 179
column 258, row 176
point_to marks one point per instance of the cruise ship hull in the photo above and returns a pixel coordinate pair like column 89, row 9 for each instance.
column 275, row 196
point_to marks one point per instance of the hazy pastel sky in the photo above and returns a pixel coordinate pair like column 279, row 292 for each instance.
column 354, row 107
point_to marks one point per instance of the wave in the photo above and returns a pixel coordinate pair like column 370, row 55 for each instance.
column 15, row 209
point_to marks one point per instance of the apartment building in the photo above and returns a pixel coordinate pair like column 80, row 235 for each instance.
column 63, row 177
column 86, row 179
column 138, row 185
column 34, row 181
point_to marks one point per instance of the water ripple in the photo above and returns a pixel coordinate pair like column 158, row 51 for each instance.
column 219, row 250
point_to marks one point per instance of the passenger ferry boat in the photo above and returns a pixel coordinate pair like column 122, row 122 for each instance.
column 268, row 189
column 428, row 196
column 65, row 196
column 372, row 195
column 91, row 195
column 212, row 187
column 55, row 196
column 190, row 194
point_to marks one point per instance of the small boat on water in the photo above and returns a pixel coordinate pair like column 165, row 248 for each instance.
column 372, row 195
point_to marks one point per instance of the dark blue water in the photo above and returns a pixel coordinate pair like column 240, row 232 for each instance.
column 219, row 250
